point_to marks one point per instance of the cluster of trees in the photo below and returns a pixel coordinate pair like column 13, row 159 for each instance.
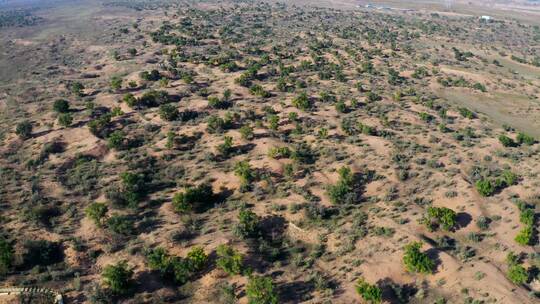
column 177, row 269
column 461, row 82
column 521, row 139
column 18, row 18
column 527, row 217
column 34, row 253
column 351, row 126
column 149, row 99
column 488, row 186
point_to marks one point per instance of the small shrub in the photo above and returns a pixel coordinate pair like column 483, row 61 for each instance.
column 216, row 103
column 372, row 97
column 116, row 83
column 216, row 124
column 226, row 147
column 279, row 152
column 174, row 268
column 509, row 178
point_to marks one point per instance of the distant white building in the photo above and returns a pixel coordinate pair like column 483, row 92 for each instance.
column 486, row 18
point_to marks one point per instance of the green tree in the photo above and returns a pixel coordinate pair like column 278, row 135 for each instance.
column 226, row 147
column 77, row 88
column 229, row 259
column 248, row 224
column 168, row 112
column 370, row 293
column 130, row 100
column 343, row 191
column 197, row 258
column 193, row 199
column 116, row 83
column 261, row 290
column 243, row 170
column 118, row 278
column 6, row 255
column 96, row 212
column 485, row 187
column 525, row 236
column 24, row 130
column 247, row 132
column 341, row 107
column 302, row 102
column 416, row 260
column 227, row 95
column 518, row 274
column 523, row 138
column 65, row 119
column 120, row 224
column 61, row 106
column 116, row 140
column 506, row 141
column 440, row 217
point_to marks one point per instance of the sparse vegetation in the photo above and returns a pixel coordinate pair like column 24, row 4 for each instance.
column 269, row 152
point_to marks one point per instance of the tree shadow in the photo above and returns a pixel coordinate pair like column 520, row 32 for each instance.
column 396, row 293
column 463, row 220
column 42, row 133
column 295, row 292
column 149, row 281
column 272, row 226
column 243, row 149
column 434, row 255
